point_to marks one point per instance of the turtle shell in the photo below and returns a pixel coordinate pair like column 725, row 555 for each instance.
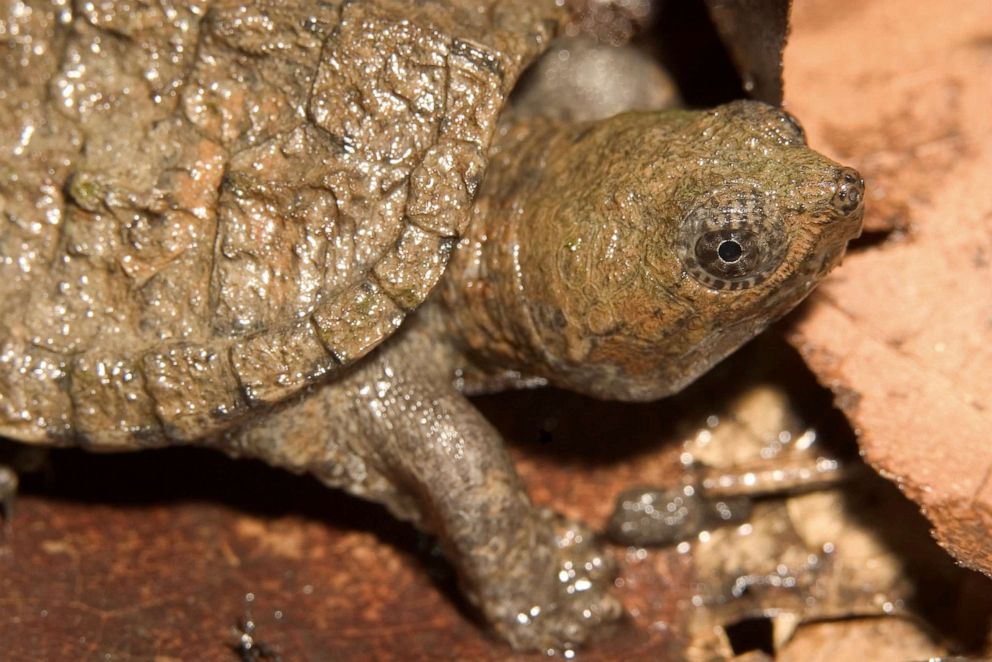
column 207, row 207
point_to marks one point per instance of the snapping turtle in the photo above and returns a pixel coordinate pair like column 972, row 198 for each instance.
column 221, row 223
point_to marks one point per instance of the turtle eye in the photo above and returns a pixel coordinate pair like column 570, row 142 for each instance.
column 732, row 244
column 728, row 254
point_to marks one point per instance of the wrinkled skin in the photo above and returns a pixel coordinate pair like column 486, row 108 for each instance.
column 519, row 306
column 619, row 258
column 608, row 234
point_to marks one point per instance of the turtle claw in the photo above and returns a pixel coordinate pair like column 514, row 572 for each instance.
column 579, row 601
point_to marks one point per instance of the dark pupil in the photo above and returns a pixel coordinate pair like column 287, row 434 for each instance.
column 730, row 251
column 728, row 254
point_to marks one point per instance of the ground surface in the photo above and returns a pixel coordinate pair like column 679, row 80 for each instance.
column 130, row 557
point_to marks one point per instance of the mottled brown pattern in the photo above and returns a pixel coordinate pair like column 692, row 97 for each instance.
column 231, row 169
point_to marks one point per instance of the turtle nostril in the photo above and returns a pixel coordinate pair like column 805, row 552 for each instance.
column 849, row 191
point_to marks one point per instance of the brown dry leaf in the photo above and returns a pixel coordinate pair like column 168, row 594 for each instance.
column 903, row 332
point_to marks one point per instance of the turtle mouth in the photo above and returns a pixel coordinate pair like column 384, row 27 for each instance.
column 851, row 225
column 855, row 227
column 830, row 253
column 844, row 223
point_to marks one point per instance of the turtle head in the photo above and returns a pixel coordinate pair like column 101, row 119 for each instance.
column 658, row 243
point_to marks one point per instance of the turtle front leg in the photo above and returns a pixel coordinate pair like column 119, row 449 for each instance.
column 397, row 431
column 541, row 581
